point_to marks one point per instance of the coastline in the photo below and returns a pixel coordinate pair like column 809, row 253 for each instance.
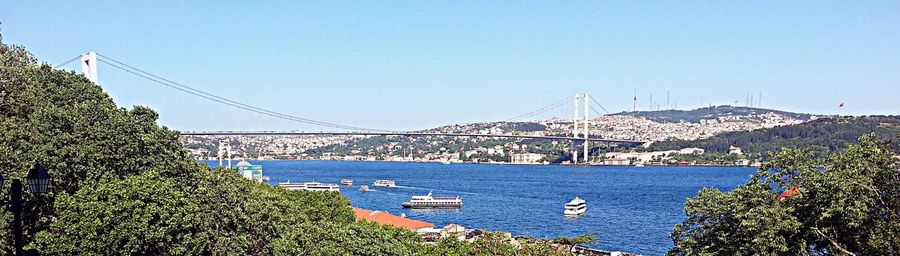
column 487, row 163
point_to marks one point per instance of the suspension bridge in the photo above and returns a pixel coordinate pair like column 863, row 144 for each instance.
column 580, row 135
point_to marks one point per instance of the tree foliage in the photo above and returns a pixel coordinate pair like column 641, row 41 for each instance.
column 847, row 203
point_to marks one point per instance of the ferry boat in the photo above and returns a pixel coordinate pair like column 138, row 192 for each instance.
column 365, row 188
column 316, row 186
column 575, row 207
column 347, row 182
column 292, row 185
column 309, row 186
column 428, row 201
column 385, row 183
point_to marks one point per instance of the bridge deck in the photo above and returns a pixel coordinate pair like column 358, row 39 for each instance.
column 243, row 133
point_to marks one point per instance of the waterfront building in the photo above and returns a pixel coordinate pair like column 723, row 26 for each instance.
column 250, row 172
column 617, row 161
column 526, row 158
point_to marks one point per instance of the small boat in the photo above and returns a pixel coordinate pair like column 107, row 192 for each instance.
column 365, row 188
column 639, row 165
column 428, row 201
column 385, row 183
column 309, row 186
column 347, row 182
column 575, row 207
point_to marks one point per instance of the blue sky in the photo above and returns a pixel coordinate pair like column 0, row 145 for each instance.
column 420, row 64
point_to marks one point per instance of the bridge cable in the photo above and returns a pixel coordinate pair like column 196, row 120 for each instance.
column 168, row 83
column 68, row 61
column 553, row 107
column 598, row 104
column 542, row 110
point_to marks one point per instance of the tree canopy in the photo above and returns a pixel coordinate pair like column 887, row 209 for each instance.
column 846, row 203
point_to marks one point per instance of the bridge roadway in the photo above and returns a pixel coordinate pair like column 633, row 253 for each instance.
column 274, row 133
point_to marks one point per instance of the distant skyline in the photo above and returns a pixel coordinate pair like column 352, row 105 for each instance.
column 406, row 65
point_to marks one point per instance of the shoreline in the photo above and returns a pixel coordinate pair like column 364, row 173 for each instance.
column 487, row 163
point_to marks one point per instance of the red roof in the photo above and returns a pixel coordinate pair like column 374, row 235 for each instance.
column 789, row 193
column 390, row 219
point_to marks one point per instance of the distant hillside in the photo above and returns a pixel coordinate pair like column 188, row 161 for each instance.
column 694, row 116
column 821, row 136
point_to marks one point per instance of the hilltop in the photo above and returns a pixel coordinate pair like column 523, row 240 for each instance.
column 710, row 113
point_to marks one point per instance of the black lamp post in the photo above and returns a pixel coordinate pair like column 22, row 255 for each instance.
column 38, row 180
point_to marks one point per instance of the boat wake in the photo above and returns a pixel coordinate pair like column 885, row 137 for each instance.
column 442, row 190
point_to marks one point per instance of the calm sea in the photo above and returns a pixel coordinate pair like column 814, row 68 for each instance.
column 630, row 209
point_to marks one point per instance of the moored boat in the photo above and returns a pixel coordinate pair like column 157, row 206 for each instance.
column 428, row 201
column 575, row 207
column 309, row 186
column 385, row 183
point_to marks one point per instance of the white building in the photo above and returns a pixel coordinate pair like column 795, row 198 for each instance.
column 526, row 158
column 735, row 150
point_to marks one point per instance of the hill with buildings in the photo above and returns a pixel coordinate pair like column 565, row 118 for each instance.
column 713, row 113
column 630, row 126
column 822, row 136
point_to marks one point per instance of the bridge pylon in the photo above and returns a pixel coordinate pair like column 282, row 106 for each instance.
column 89, row 66
column 581, row 102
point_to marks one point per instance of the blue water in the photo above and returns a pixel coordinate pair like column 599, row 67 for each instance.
column 630, row 209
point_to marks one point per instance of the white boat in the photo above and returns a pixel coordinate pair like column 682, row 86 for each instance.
column 575, row 207
column 347, row 182
column 384, row 183
column 292, row 185
column 316, row 186
column 428, row 201
column 309, row 186
column 365, row 188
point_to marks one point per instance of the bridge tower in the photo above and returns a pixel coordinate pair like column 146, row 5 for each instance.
column 220, row 153
column 89, row 66
column 587, row 123
column 224, row 150
column 581, row 103
column 575, row 129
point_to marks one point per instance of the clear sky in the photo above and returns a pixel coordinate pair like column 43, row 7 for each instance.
column 419, row 64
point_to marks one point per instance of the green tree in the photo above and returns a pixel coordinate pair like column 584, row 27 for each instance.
column 143, row 214
column 847, row 203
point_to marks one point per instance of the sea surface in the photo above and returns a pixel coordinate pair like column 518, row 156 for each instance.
column 630, row 209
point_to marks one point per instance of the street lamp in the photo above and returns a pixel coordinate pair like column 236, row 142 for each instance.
column 38, row 180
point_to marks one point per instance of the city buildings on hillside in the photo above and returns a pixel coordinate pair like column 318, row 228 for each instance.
column 480, row 149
